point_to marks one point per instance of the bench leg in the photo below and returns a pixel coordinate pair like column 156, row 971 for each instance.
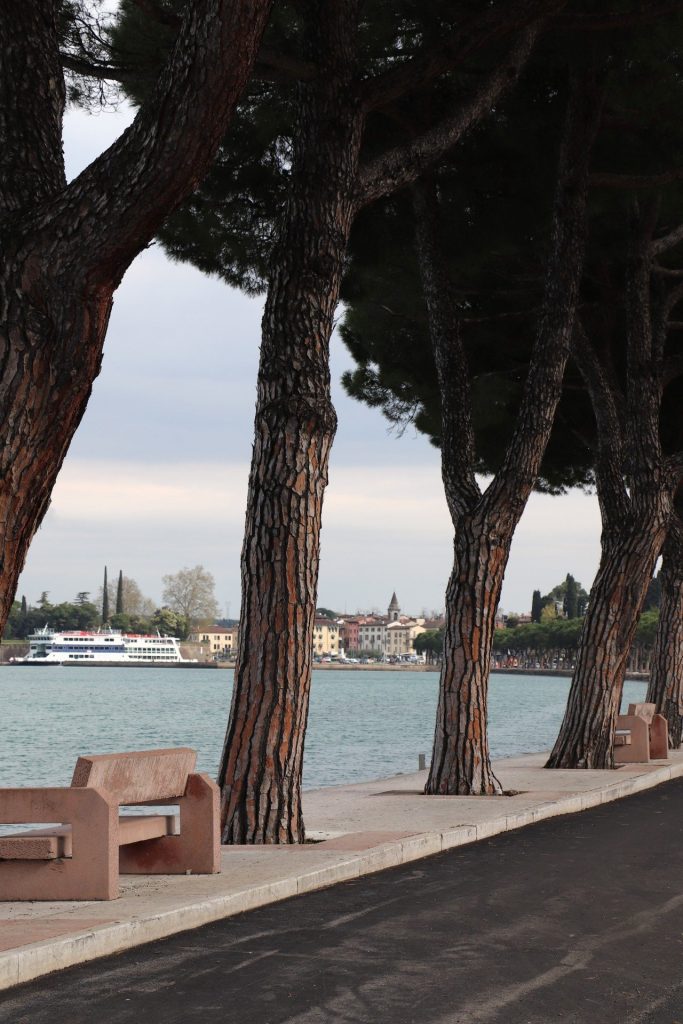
column 196, row 850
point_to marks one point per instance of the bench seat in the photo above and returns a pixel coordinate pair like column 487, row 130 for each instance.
column 54, row 843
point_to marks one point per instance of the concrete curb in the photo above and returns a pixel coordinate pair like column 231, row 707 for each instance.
column 30, row 961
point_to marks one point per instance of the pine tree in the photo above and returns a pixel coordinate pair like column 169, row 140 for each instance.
column 119, row 594
column 105, row 599
column 536, row 606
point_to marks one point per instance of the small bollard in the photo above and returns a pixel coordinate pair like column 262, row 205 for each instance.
column 421, row 762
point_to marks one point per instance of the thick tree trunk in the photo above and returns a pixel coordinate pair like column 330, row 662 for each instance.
column 460, row 758
column 260, row 774
column 629, row 552
column 666, row 672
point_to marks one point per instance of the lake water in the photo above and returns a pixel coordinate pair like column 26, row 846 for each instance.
column 362, row 725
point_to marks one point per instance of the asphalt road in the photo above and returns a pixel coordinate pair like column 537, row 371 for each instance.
column 578, row 919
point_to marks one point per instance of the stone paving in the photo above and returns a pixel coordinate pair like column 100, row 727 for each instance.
column 359, row 829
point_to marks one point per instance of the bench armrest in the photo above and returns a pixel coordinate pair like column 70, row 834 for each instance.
column 92, row 872
column 639, row 749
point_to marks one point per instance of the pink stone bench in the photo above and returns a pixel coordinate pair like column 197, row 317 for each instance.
column 81, row 859
column 641, row 735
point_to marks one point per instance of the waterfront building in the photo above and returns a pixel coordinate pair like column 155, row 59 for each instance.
column 372, row 634
column 400, row 637
column 349, row 632
column 325, row 637
column 217, row 641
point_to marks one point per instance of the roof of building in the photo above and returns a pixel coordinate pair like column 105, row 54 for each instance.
column 215, row 629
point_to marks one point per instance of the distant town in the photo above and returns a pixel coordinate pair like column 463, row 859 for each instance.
column 392, row 638
column 546, row 637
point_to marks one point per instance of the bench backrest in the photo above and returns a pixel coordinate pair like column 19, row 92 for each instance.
column 646, row 711
column 138, row 776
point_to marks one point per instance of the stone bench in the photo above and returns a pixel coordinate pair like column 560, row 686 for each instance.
column 82, row 857
column 641, row 735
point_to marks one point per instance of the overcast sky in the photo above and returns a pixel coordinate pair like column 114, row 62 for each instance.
column 156, row 476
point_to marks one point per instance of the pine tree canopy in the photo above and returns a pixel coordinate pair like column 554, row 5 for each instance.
column 494, row 204
column 495, row 194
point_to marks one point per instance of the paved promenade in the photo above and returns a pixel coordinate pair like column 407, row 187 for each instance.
column 363, row 828
column 576, row 920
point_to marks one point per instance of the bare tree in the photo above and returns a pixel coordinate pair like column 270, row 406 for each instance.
column 191, row 592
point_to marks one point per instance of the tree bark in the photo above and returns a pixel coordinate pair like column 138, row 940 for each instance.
column 635, row 519
column 666, row 671
column 629, row 553
column 484, row 524
column 261, row 769
column 66, row 247
column 461, row 762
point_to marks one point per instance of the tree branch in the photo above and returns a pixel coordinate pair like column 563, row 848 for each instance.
column 609, row 22
column 671, row 300
column 509, row 490
column 673, row 238
column 121, row 199
column 604, row 179
column 667, row 271
column 458, row 450
column 105, row 72
column 609, row 470
column 426, row 65
column 402, row 165
column 674, row 468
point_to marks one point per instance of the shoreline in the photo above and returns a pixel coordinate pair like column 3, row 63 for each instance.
column 638, row 677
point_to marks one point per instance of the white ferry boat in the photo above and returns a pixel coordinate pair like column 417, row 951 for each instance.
column 47, row 647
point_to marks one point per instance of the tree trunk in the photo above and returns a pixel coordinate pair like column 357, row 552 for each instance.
column 666, row 672
column 484, row 524
column 629, row 553
column 460, row 759
column 51, row 353
column 66, row 247
column 261, row 769
column 635, row 518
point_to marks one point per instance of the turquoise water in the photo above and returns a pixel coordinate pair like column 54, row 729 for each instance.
column 362, row 725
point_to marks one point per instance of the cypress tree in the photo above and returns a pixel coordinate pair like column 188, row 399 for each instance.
column 536, row 606
column 570, row 603
column 105, row 599
column 119, row 594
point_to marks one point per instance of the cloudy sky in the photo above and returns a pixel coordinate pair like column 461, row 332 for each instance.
column 156, row 476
